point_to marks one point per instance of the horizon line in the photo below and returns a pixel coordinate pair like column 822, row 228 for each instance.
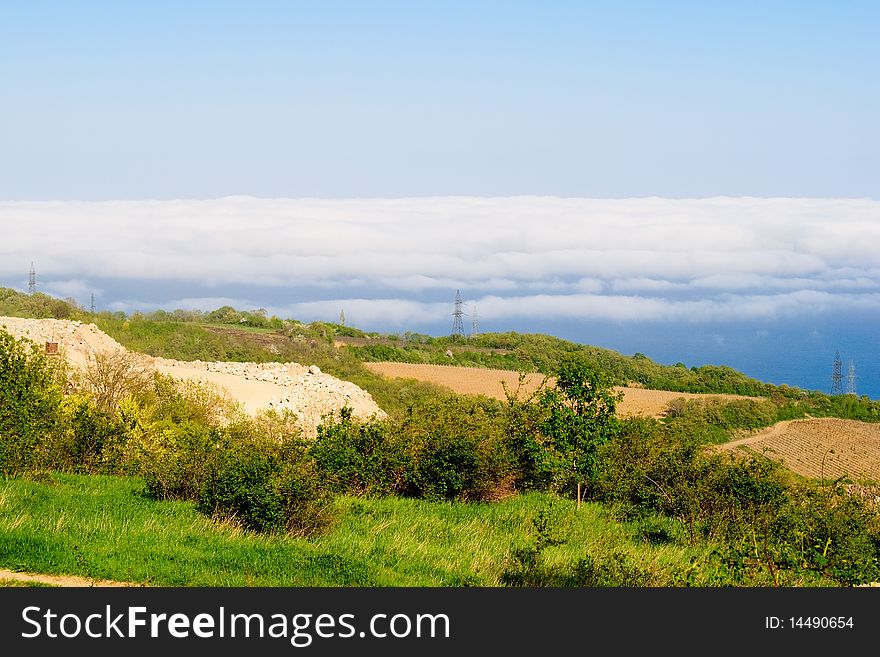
column 252, row 197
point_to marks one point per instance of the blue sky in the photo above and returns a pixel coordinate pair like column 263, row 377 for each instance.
column 696, row 181
column 109, row 100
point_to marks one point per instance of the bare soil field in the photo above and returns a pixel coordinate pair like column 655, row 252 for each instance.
column 821, row 448
column 480, row 381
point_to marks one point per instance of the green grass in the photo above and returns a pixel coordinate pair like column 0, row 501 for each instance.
column 103, row 527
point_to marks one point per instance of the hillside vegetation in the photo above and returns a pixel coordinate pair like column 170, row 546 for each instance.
column 253, row 336
column 169, row 447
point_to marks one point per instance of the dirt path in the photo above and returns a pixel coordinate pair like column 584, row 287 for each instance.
column 776, row 430
column 60, row 580
column 819, row 448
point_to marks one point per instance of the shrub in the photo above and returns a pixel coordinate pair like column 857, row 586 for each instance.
column 308, row 502
column 524, row 442
column 837, row 533
column 194, row 401
column 90, row 438
column 359, row 458
column 455, row 450
column 273, row 425
column 647, row 468
column 30, row 394
column 823, row 530
column 268, row 488
column 715, row 421
column 243, row 487
column 177, row 459
column 111, row 376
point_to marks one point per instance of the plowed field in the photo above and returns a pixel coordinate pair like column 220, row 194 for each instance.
column 480, row 381
column 824, row 448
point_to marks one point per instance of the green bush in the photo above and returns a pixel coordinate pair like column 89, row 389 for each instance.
column 716, row 421
column 243, row 487
column 823, row 530
column 89, row 440
column 177, row 459
column 268, row 488
column 308, row 501
column 768, row 529
column 533, row 467
column 838, row 534
column 359, row 458
column 181, row 401
column 456, row 451
column 30, row 395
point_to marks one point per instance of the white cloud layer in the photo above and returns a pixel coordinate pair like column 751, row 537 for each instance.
column 626, row 259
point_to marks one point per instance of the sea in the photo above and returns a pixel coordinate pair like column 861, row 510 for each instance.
column 797, row 353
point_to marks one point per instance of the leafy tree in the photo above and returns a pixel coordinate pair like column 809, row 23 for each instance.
column 580, row 418
column 30, row 395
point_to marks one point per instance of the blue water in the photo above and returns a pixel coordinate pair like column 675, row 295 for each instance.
column 781, row 352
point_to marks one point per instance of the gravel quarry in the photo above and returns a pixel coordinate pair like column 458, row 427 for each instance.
column 302, row 389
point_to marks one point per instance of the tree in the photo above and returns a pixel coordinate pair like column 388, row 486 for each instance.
column 580, row 417
column 30, row 395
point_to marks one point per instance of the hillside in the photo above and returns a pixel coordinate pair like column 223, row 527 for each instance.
column 823, row 449
column 169, row 442
column 302, row 389
column 496, row 384
column 227, row 334
column 543, row 353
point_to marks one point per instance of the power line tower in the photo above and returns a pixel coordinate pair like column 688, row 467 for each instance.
column 851, row 378
column 342, row 318
column 92, row 304
column 32, row 279
column 837, row 376
column 457, row 326
column 474, row 327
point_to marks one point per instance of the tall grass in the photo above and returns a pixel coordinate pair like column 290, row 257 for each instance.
column 105, row 528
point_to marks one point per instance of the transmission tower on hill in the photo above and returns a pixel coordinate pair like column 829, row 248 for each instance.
column 342, row 318
column 32, row 279
column 458, row 313
column 92, row 304
column 837, row 376
column 851, row 378
column 474, row 327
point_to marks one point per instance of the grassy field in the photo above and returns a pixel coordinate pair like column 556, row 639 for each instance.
column 103, row 528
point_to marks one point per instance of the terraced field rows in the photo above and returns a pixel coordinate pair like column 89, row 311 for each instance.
column 824, row 448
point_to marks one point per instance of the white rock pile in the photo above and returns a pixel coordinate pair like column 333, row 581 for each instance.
column 304, row 390
column 79, row 341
